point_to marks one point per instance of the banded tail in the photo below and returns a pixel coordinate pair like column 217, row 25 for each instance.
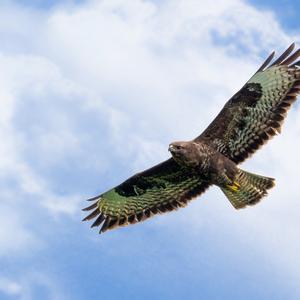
column 247, row 189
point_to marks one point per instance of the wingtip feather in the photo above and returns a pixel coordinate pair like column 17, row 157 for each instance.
column 90, row 207
column 92, row 215
column 94, row 198
column 98, row 221
column 291, row 58
column 284, row 55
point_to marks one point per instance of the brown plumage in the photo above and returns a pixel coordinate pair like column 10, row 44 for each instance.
column 247, row 121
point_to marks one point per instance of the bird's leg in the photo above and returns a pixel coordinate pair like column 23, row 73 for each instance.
column 229, row 183
column 234, row 186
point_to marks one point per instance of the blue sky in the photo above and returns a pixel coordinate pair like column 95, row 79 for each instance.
column 94, row 91
column 285, row 10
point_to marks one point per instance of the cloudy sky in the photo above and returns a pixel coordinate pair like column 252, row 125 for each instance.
column 93, row 91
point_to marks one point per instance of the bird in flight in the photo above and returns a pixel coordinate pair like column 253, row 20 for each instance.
column 247, row 121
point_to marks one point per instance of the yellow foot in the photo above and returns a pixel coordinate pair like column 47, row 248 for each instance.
column 234, row 187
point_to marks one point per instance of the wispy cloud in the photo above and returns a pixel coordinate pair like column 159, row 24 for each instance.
column 91, row 93
column 10, row 287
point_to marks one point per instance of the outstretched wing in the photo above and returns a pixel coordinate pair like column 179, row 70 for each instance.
column 255, row 113
column 162, row 188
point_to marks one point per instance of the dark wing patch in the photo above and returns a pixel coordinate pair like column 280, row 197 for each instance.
column 160, row 189
column 256, row 113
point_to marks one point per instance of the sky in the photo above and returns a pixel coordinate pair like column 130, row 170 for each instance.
column 92, row 92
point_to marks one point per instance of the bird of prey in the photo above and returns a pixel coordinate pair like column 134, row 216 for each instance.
column 247, row 121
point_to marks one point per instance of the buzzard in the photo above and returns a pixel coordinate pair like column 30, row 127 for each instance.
column 246, row 122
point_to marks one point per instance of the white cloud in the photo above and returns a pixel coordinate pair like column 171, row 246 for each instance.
column 10, row 287
column 24, row 287
column 109, row 84
column 15, row 237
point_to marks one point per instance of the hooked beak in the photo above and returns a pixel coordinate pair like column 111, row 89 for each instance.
column 171, row 148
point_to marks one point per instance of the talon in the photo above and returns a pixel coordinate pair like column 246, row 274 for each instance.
column 234, row 186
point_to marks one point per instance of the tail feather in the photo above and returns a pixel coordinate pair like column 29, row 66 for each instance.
column 248, row 189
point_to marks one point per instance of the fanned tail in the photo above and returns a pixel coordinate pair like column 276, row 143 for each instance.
column 247, row 189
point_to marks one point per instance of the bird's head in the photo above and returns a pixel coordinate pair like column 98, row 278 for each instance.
column 177, row 147
column 182, row 152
